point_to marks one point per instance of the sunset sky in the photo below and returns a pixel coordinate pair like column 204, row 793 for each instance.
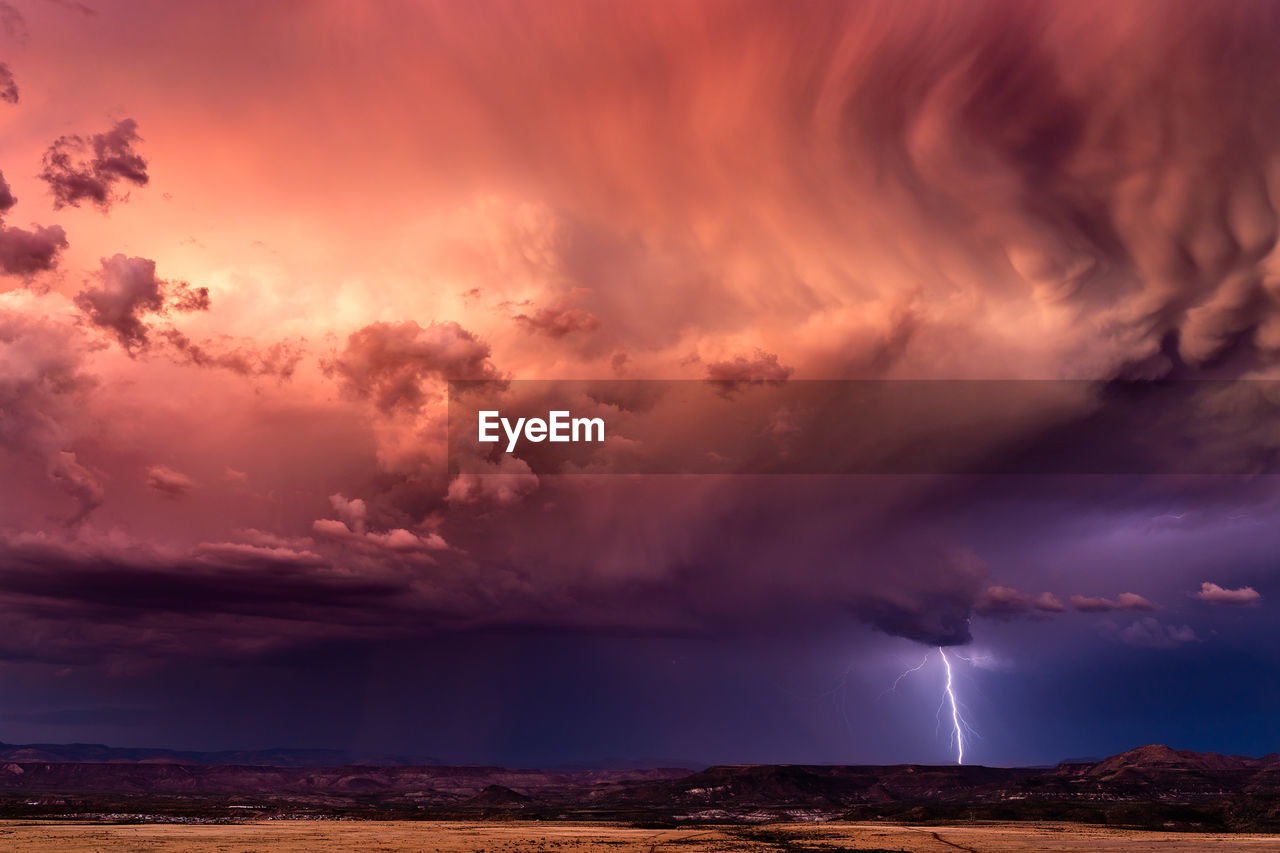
column 245, row 245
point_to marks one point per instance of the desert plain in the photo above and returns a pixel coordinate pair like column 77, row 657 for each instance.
column 306, row 836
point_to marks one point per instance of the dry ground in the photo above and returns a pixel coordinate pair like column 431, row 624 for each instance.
column 504, row 837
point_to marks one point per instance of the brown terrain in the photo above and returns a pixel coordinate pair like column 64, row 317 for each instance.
column 1189, row 800
column 568, row 837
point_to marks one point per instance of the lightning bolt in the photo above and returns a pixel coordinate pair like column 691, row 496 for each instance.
column 959, row 726
column 898, row 680
column 955, row 710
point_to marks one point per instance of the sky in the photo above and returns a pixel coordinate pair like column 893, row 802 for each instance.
column 245, row 246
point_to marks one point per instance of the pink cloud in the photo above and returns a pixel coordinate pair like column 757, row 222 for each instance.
column 1124, row 601
column 169, row 482
column 1004, row 602
column 1242, row 597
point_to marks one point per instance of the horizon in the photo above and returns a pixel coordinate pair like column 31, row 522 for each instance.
column 609, row 763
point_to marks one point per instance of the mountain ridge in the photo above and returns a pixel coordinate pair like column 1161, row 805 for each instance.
column 1151, row 786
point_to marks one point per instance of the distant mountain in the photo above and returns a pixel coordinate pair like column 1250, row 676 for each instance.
column 1152, row 786
column 100, row 754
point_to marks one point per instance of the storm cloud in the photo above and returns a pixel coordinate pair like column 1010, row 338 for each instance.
column 748, row 195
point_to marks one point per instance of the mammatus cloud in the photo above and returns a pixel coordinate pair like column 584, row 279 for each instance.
column 128, row 290
column 25, row 253
column 79, row 169
column 391, row 362
column 1123, row 601
column 1242, row 597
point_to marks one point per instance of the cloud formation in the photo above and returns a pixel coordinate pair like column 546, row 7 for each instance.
column 8, row 86
column 1123, row 601
column 169, row 482
column 762, row 367
column 838, row 191
column 1245, row 596
column 89, row 169
column 390, row 363
column 1151, row 634
column 44, row 389
column 244, row 358
column 25, row 253
column 128, row 290
column 1004, row 602
column 559, row 320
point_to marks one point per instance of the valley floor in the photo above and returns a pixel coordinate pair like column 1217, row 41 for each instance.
column 516, row 837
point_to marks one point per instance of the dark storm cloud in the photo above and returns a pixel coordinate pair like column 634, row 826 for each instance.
column 76, row 602
column 8, row 86
column 695, row 561
column 1010, row 137
column 925, row 595
column 79, row 169
column 390, row 362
